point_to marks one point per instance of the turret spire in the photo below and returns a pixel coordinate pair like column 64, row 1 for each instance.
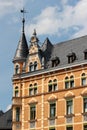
column 23, row 11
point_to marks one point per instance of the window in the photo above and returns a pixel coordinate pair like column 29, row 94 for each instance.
column 69, row 128
column 55, row 61
column 85, row 54
column 31, row 67
column 16, row 91
column 32, row 112
column 85, row 104
column 52, row 110
column 69, row 82
column 69, row 106
column 17, row 69
column 71, row 57
column 35, row 65
column 52, row 86
column 66, row 82
column 17, row 114
column 83, row 79
column 85, row 127
column 33, row 89
column 52, row 129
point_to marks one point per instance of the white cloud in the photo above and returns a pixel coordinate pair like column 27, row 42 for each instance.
column 8, row 107
column 9, row 6
column 52, row 20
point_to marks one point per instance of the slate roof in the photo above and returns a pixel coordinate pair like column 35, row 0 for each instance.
column 6, row 120
column 22, row 49
column 61, row 50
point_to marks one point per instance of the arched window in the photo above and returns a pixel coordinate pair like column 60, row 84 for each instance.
column 55, row 84
column 71, row 81
column 31, row 67
column 83, row 79
column 35, row 65
column 50, row 86
column 33, row 89
column 16, row 91
column 17, row 69
column 66, row 82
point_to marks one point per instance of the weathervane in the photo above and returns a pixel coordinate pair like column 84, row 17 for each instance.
column 23, row 11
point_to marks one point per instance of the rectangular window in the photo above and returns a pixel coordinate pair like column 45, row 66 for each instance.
column 32, row 112
column 17, row 114
column 85, row 104
column 69, row 128
column 85, row 127
column 69, row 107
column 52, row 110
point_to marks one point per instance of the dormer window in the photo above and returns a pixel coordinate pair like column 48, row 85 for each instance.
column 35, row 65
column 71, row 57
column 85, row 54
column 55, row 61
column 31, row 67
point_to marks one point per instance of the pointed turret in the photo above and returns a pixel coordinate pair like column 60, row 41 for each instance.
column 22, row 48
column 21, row 51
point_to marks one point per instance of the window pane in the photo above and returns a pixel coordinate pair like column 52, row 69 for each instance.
column 50, row 88
column 85, row 127
column 66, row 84
column 35, row 90
column 54, row 87
column 69, row 107
column 16, row 93
column 72, row 83
column 52, row 109
column 83, row 81
column 69, row 128
column 31, row 91
column 32, row 112
column 85, row 104
column 17, row 114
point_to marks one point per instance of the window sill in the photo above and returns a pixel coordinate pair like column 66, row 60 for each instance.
column 69, row 115
column 52, row 118
column 33, row 120
column 84, row 113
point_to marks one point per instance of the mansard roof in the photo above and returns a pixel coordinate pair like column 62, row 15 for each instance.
column 6, row 120
column 61, row 50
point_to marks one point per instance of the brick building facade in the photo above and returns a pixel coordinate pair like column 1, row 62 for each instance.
column 50, row 85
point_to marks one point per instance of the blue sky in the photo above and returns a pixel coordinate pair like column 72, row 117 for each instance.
column 59, row 20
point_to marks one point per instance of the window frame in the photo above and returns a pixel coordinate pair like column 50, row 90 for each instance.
column 32, row 111
column 69, row 107
column 52, row 109
column 17, row 114
column 83, row 79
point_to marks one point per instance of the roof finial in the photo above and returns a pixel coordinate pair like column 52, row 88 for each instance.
column 34, row 33
column 23, row 11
